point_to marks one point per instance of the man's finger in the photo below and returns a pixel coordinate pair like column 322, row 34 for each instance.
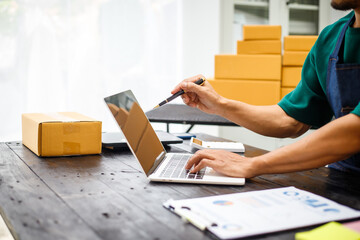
column 191, row 79
column 185, row 98
column 201, row 154
column 190, row 87
column 202, row 164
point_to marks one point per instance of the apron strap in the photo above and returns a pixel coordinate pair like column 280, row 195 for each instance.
column 335, row 53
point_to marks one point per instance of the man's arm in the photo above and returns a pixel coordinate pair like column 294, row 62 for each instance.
column 266, row 120
column 333, row 142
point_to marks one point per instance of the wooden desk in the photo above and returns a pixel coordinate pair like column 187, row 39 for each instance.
column 108, row 197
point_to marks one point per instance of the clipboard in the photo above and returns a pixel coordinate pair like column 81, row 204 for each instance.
column 189, row 215
column 253, row 213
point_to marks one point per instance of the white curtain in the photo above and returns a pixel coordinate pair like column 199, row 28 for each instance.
column 66, row 55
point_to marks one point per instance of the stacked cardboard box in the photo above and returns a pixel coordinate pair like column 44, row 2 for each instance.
column 252, row 75
column 61, row 134
column 296, row 48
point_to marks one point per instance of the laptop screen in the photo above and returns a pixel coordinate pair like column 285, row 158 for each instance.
column 136, row 128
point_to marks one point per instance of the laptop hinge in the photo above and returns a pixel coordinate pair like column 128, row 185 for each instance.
column 158, row 160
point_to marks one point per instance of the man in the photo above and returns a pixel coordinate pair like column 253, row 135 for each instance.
column 329, row 87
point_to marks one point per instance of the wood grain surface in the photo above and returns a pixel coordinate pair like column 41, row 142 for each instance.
column 108, row 196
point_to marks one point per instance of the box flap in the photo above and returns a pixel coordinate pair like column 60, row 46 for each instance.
column 30, row 133
column 58, row 117
column 78, row 116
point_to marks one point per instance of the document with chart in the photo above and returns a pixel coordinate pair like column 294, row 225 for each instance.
column 258, row 212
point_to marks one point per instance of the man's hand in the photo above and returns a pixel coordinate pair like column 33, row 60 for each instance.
column 203, row 97
column 228, row 163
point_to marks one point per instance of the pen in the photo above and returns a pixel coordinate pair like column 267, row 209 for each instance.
column 181, row 92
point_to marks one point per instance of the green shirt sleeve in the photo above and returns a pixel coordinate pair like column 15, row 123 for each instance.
column 307, row 103
column 356, row 111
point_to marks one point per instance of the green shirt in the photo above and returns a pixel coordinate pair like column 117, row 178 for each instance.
column 308, row 103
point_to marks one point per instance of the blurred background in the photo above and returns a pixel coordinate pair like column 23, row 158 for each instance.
column 67, row 55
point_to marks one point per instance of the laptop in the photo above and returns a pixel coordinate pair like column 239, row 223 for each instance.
column 145, row 145
column 117, row 139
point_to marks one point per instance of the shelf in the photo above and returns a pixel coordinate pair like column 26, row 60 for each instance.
column 296, row 6
column 248, row 3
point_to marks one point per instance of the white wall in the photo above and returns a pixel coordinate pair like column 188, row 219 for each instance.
column 200, row 36
column 200, row 27
column 67, row 55
column 328, row 15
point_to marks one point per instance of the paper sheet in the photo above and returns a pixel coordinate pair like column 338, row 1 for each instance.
column 251, row 213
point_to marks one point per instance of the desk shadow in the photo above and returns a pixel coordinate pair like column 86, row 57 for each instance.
column 122, row 150
column 44, row 163
column 74, row 162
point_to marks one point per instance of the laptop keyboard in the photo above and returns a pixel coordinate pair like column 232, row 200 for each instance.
column 175, row 168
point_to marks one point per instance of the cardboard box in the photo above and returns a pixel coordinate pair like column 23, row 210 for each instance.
column 261, row 67
column 299, row 43
column 249, row 91
column 259, row 47
column 262, row 32
column 291, row 76
column 292, row 58
column 61, row 134
column 285, row 91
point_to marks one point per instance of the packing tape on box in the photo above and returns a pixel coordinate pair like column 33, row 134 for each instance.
column 70, row 148
column 73, row 146
column 60, row 118
column 70, row 129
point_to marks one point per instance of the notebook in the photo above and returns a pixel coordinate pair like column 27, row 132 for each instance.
column 117, row 139
column 145, row 145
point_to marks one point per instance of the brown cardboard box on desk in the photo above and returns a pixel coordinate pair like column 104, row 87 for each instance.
column 61, row 134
